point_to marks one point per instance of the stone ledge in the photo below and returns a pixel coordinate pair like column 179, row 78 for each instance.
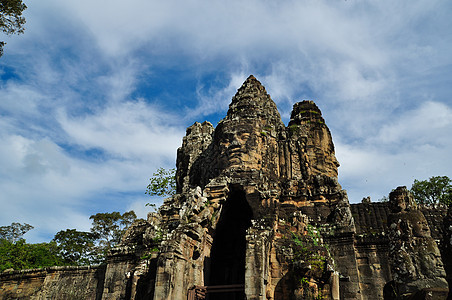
column 44, row 271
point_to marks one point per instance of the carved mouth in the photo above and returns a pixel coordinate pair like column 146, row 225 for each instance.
column 235, row 154
column 234, row 160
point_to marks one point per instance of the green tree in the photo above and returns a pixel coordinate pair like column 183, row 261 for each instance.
column 44, row 255
column 20, row 255
column 76, row 247
column 14, row 232
column 69, row 247
column 17, row 254
column 435, row 190
column 109, row 228
column 163, row 183
column 11, row 19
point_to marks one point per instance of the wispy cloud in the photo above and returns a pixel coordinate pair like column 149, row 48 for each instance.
column 413, row 146
column 129, row 130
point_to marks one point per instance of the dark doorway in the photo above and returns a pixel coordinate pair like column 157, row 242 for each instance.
column 229, row 246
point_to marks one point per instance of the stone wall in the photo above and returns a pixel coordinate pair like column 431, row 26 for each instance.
column 53, row 283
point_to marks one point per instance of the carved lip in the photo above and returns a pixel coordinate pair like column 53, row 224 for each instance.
column 236, row 152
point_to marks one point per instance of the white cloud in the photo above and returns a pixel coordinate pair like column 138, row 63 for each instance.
column 127, row 130
column 11, row 92
column 425, row 125
column 415, row 145
column 216, row 99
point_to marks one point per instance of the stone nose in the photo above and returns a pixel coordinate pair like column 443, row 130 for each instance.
column 235, row 143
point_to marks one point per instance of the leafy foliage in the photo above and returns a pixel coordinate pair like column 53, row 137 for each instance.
column 69, row 247
column 76, row 247
column 306, row 248
column 16, row 253
column 109, row 228
column 11, row 19
column 21, row 255
column 435, row 190
column 14, row 232
column 155, row 245
column 309, row 261
column 163, row 183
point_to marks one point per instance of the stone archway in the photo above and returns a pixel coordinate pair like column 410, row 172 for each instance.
column 228, row 254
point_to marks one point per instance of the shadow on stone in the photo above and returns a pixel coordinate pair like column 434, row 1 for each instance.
column 229, row 245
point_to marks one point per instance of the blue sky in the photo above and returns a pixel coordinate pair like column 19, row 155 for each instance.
column 96, row 95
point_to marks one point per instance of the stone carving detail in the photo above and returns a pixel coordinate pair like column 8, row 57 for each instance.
column 414, row 255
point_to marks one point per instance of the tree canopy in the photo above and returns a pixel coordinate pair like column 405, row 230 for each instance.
column 435, row 190
column 21, row 255
column 110, row 227
column 16, row 253
column 11, row 19
column 163, row 183
column 68, row 247
column 14, row 232
column 76, row 247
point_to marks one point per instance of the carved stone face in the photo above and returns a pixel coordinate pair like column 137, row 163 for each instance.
column 420, row 228
column 240, row 146
column 398, row 202
column 236, row 147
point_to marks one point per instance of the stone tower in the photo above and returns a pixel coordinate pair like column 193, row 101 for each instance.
column 245, row 189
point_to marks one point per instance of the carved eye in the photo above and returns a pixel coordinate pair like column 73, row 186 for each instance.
column 227, row 138
column 244, row 136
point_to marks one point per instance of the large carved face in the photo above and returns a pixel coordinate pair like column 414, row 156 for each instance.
column 398, row 202
column 239, row 145
column 420, row 228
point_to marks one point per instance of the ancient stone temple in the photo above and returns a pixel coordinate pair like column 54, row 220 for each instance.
column 259, row 214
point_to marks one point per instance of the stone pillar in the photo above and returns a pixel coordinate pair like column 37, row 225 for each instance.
column 447, row 248
column 179, row 267
column 344, row 254
column 257, row 261
column 335, row 292
column 120, row 264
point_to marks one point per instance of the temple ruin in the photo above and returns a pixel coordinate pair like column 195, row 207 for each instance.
column 259, row 214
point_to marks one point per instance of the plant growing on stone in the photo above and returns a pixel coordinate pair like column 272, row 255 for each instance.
column 212, row 218
column 152, row 205
column 154, row 245
column 163, row 183
column 294, row 128
column 314, row 234
column 309, row 261
column 304, row 281
column 383, row 199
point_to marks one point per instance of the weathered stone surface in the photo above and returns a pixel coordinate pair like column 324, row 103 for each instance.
column 53, row 283
column 252, row 163
column 446, row 249
column 414, row 256
column 308, row 128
